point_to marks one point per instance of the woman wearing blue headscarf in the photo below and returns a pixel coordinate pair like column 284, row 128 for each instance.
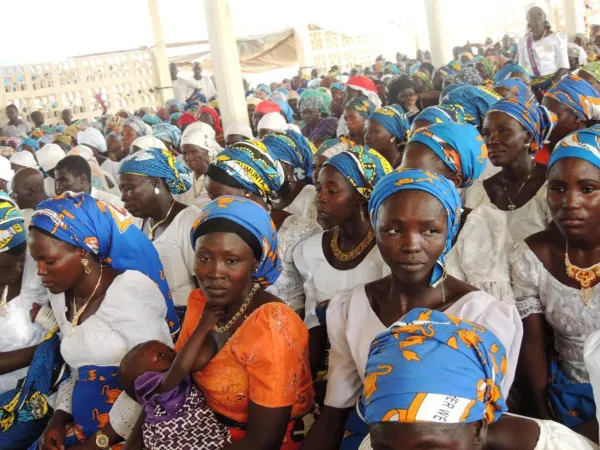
column 479, row 255
column 149, row 182
column 261, row 344
column 512, row 87
column 575, row 102
column 514, row 131
column 475, row 101
column 387, row 130
column 512, row 70
column 356, row 113
column 247, row 169
column 416, row 216
column 555, row 282
column 106, row 300
column 405, row 401
column 438, row 114
column 169, row 134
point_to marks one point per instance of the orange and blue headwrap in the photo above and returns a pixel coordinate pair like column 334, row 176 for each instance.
column 434, row 184
column 505, row 72
column 255, row 219
column 108, row 233
column 583, row 144
column 363, row 167
column 442, row 114
column 537, row 120
column 467, row 153
column 515, row 86
column 361, row 105
column 578, row 95
column 432, row 367
column 393, row 119
column 475, row 100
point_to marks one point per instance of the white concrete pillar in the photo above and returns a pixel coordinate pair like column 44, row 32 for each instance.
column 574, row 17
column 439, row 32
column 161, row 63
column 226, row 62
column 304, row 48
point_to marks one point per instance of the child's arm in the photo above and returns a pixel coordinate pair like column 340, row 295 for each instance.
column 135, row 441
column 205, row 354
column 185, row 359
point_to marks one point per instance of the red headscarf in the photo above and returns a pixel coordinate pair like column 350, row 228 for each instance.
column 362, row 82
column 185, row 119
column 266, row 107
column 215, row 116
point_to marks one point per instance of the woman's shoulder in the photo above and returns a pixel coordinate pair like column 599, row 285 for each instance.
column 296, row 226
column 187, row 216
column 276, row 316
column 476, row 194
column 136, row 287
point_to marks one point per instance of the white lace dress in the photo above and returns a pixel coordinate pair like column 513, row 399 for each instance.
column 305, row 203
column 538, row 292
column 322, row 282
column 16, row 328
column 289, row 285
column 480, row 255
column 529, row 219
column 553, row 436
column 352, row 325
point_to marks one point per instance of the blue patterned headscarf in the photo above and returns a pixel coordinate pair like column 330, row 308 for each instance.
column 286, row 109
column 292, row 148
column 442, row 114
column 393, row 119
column 515, row 86
column 167, row 133
column 537, row 120
column 434, row 184
column 257, row 221
column 151, row 119
column 435, row 368
column 29, row 143
column 467, row 153
column 363, row 167
column 12, row 225
column 108, row 233
column 251, row 165
column 137, row 125
column 583, row 144
column 504, row 72
column 578, row 95
column 475, row 100
column 161, row 163
column 361, row 105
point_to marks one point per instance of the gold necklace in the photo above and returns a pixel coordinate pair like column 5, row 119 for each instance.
column 159, row 223
column 585, row 277
column 237, row 315
column 355, row 252
column 4, row 302
column 77, row 314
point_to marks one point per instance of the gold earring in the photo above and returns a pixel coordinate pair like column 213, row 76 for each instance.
column 86, row 266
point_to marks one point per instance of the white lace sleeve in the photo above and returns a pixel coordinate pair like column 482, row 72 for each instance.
column 591, row 356
column 525, row 275
column 480, row 255
column 64, row 396
column 475, row 195
column 124, row 414
column 343, row 381
column 310, row 290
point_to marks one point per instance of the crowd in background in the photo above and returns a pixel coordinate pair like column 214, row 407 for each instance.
column 400, row 256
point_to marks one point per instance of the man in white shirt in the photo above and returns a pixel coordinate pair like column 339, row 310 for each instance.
column 185, row 88
column 541, row 51
column 206, row 86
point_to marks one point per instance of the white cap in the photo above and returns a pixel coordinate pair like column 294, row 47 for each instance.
column 240, row 129
column 199, row 126
column 273, row 122
column 49, row 156
column 202, row 140
column 6, row 172
column 24, row 159
column 148, row 141
column 93, row 138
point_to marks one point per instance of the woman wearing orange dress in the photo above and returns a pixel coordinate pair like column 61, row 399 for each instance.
column 258, row 383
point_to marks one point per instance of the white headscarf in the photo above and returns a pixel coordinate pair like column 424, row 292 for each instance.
column 273, row 122
column 199, row 126
column 6, row 172
column 24, row 159
column 149, row 141
column 202, row 140
column 93, row 138
column 49, row 156
column 239, row 129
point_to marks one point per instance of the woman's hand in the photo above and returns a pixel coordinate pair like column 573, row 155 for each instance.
column 211, row 316
column 54, row 435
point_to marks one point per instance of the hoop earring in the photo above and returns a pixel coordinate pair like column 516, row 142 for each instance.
column 86, row 266
column 156, row 191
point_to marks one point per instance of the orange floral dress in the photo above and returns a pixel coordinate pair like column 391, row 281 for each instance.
column 265, row 361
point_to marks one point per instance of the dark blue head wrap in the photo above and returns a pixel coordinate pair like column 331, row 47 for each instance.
column 292, row 148
column 515, row 85
column 393, row 119
column 475, row 100
column 504, row 72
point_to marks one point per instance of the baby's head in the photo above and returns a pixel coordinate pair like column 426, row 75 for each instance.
column 151, row 356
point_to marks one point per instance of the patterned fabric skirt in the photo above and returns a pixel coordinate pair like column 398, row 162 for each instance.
column 195, row 427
